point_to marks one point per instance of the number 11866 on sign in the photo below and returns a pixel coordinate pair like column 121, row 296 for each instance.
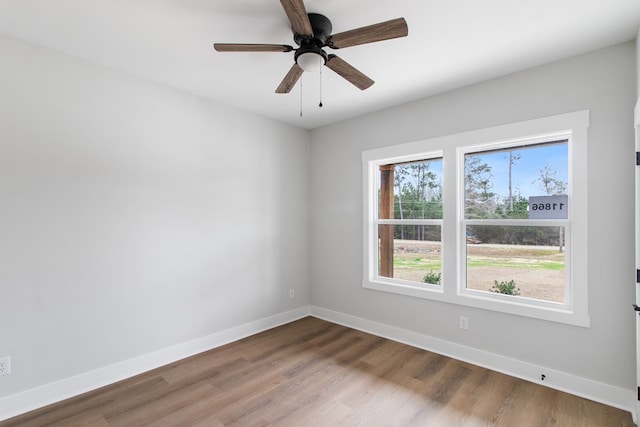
column 548, row 207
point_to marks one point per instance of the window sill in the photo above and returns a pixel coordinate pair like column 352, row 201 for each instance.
column 402, row 287
column 514, row 306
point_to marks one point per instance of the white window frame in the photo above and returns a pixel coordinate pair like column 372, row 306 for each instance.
column 451, row 148
column 382, row 282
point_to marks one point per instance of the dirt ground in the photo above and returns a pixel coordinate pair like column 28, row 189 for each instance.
column 534, row 282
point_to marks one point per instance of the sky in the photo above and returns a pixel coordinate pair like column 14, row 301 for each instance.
column 525, row 171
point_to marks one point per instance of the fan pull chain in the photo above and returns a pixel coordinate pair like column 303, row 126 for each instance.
column 301, row 96
column 320, row 104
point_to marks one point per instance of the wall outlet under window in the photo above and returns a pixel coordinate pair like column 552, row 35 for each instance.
column 292, row 293
column 5, row 365
column 464, row 323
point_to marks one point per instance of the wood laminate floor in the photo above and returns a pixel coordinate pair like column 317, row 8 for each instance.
column 315, row 373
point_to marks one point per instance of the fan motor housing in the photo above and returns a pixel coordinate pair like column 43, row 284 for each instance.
column 321, row 26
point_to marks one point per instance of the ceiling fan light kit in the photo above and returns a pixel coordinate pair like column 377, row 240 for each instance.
column 312, row 33
column 311, row 61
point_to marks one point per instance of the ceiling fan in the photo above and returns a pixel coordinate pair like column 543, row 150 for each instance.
column 312, row 32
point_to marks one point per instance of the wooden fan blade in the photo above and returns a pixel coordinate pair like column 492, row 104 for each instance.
column 347, row 71
column 290, row 79
column 239, row 47
column 373, row 33
column 298, row 17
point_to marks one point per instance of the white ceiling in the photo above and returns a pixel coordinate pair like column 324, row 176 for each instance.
column 451, row 43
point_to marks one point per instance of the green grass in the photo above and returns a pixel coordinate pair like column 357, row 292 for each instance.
column 419, row 263
column 516, row 263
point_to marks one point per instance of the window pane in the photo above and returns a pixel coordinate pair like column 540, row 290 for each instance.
column 411, row 190
column 411, row 252
column 498, row 183
column 517, row 260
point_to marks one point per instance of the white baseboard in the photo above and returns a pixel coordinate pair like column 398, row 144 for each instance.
column 604, row 393
column 29, row 400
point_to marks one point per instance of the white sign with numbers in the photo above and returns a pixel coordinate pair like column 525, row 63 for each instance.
column 548, row 207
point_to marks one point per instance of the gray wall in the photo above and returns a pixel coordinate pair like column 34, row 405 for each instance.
column 604, row 83
column 135, row 217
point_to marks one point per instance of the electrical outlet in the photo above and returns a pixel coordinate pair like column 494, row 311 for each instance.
column 5, row 365
column 464, row 323
column 291, row 293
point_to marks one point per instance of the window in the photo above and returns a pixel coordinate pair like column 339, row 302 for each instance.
column 489, row 219
column 410, row 221
column 515, row 220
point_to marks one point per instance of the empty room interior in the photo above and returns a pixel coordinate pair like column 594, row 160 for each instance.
column 319, row 213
